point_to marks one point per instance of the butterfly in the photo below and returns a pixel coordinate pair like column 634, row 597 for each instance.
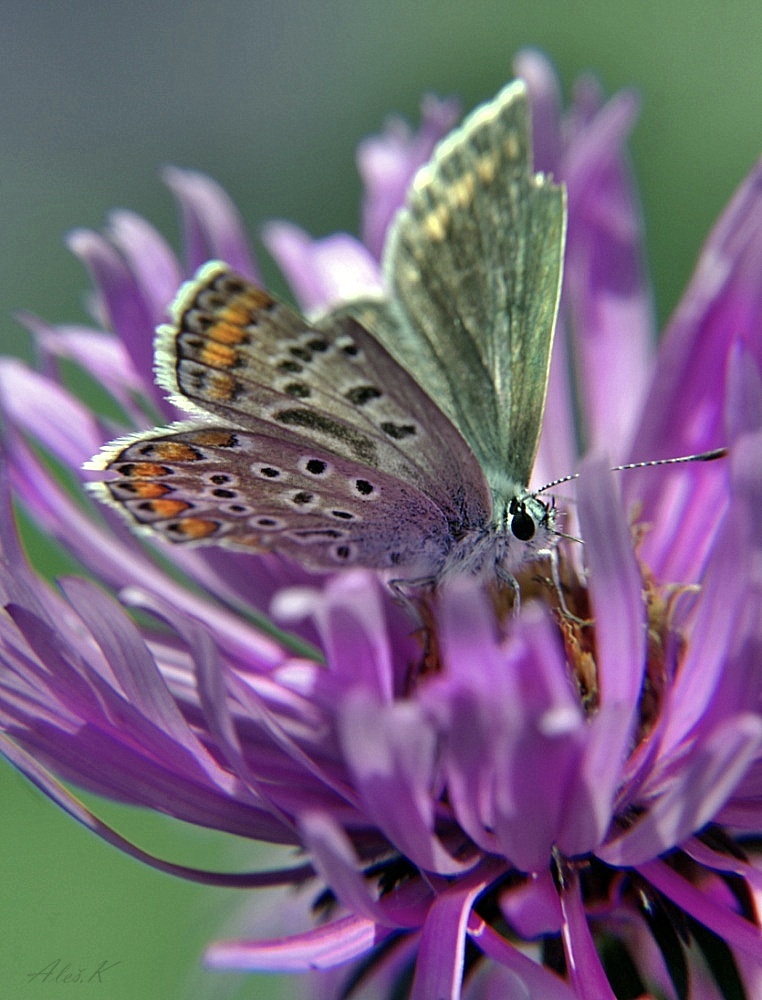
column 396, row 433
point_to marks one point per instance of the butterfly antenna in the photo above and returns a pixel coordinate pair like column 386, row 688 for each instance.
column 703, row 456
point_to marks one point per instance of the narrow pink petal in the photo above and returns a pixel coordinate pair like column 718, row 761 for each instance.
column 391, row 752
column 532, row 981
column 322, row 273
column 692, row 797
column 439, row 969
column 150, row 259
column 49, row 785
column 685, row 409
column 557, row 450
column 353, row 630
column 388, row 162
column 724, row 922
column 44, row 409
column 615, row 590
column 705, row 856
column 129, row 313
column 213, row 229
column 744, row 392
column 324, row 947
column 715, row 621
column 532, row 908
column 683, row 413
column 605, row 289
column 336, row 862
column 582, row 959
column 537, row 70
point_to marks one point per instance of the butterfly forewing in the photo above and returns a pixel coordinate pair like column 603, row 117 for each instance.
column 237, row 353
column 473, row 263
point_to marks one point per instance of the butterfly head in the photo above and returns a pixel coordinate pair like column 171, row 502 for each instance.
column 529, row 519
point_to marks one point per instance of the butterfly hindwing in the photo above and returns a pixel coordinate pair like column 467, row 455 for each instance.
column 258, row 492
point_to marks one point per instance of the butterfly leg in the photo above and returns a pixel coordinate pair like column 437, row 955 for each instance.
column 399, row 587
column 555, row 575
column 505, row 576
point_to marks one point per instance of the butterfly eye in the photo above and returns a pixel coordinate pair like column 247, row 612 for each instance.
column 523, row 524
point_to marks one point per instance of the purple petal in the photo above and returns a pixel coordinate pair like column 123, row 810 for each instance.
column 322, row 273
column 684, row 411
column 150, row 259
column 582, row 959
column 350, row 620
column 744, row 393
column 102, row 355
column 508, row 723
column 537, row 70
column 728, row 925
column 79, row 724
column 724, row 299
column 615, row 590
column 212, row 227
column 542, row 749
column 439, row 969
column 716, row 861
column 336, row 862
column 728, row 674
column 693, row 796
column 532, row 908
column 48, row 412
column 605, row 289
column 130, row 315
column 45, row 781
column 716, row 620
column 557, row 450
column 391, row 752
column 388, row 162
column 530, row 979
column 332, row 944
column 135, row 670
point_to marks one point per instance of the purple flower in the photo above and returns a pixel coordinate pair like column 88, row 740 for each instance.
column 546, row 806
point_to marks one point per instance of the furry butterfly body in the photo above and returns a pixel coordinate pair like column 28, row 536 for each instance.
column 397, row 434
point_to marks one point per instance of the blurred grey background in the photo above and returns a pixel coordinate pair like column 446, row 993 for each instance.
column 271, row 100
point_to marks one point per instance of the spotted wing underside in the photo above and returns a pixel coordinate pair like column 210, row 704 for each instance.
column 267, row 390
column 257, row 492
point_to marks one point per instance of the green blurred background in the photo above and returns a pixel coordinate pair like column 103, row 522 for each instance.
column 271, row 99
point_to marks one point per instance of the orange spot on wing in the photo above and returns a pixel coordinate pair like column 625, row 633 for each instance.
column 222, row 387
column 175, row 451
column 256, row 298
column 143, row 489
column 218, row 355
column 144, row 470
column 168, row 508
column 193, row 529
column 214, row 438
column 229, row 331
column 253, row 542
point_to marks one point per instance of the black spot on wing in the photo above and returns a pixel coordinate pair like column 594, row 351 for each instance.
column 362, row 394
column 362, row 446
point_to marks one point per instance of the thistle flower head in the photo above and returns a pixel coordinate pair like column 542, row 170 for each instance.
column 561, row 803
